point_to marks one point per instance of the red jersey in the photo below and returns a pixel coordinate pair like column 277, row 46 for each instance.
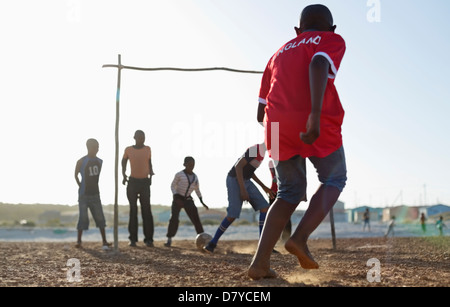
column 285, row 91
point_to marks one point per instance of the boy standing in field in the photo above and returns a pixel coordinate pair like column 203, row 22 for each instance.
column 423, row 224
column 183, row 184
column 89, row 168
column 140, row 156
column 390, row 229
column 302, row 118
column 440, row 225
column 240, row 188
column 366, row 219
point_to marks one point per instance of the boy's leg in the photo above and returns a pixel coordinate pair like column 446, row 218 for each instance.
column 80, row 233
column 234, row 207
column 83, row 218
column 146, row 211
column 262, row 220
column 291, row 177
column 133, row 219
column 219, row 232
column 287, row 231
column 103, row 234
column 233, row 212
column 95, row 205
column 174, row 220
column 332, row 174
column 226, row 222
column 258, row 202
column 286, row 234
column 277, row 217
column 192, row 213
column 320, row 205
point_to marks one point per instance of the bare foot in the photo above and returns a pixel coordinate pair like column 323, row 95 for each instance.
column 304, row 256
column 256, row 274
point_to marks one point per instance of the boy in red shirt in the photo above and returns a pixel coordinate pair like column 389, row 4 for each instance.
column 302, row 116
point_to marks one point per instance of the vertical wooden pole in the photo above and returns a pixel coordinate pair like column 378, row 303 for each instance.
column 116, row 170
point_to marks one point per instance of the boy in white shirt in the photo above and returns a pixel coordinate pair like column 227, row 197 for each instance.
column 183, row 184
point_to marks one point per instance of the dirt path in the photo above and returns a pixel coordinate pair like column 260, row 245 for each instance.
column 403, row 262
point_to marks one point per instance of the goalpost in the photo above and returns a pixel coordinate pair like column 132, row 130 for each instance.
column 119, row 67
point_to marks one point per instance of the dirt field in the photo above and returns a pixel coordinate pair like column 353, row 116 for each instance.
column 414, row 262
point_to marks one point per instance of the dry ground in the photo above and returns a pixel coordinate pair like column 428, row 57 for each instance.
column 421, row 262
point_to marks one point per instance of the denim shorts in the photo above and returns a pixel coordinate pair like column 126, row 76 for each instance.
column 94, row 204
column 257, row 200
column 291, row 175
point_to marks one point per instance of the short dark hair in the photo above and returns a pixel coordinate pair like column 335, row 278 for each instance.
column 316, row 16
column 189, row 158
column 139, row 132
column 91, row 142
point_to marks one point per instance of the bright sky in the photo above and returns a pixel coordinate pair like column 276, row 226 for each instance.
column 393, row 84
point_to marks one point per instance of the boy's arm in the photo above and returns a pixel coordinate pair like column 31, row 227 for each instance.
column 204, row 205
column 240, row 178
column 77, row 171
column 199, row 194
column 174, row 184
column 124, row 169
column 150, row 167
column 261, row 113
column 318, row 78
column 263, row 186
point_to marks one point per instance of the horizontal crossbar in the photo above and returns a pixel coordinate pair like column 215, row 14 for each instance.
column 183, row 69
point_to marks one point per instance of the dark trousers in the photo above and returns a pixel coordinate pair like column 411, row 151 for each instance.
column 178, row 203
column 140, row 189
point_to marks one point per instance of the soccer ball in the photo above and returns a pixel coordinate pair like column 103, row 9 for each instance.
column 202, row 239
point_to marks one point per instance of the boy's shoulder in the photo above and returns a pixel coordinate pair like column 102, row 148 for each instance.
column 182, row 172
column 325, row 37
column 310, row 40
column 315, row 37
column 179, row 173
column 133, row 147
column 254, row 152
column 86, row 159
column 334, row 39
column 83, row 158
column 95, row 158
